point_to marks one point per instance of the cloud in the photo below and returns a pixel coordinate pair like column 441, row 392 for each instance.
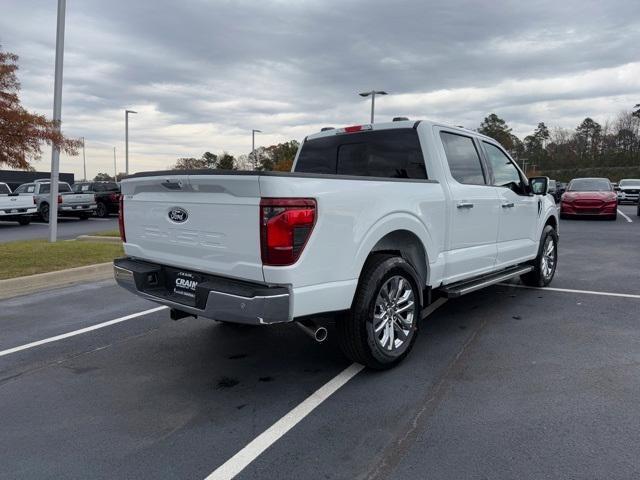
column 203, row 73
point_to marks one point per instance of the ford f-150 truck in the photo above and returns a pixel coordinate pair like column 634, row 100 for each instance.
column 372, row 223
column 15, row 208
column 80, row 205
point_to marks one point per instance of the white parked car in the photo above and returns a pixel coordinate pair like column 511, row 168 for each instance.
column 373, row 222
column 16, row 208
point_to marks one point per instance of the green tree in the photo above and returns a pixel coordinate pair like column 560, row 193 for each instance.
column 278, row 157
column 103, row 177
column 226, row 162
column 495, row 127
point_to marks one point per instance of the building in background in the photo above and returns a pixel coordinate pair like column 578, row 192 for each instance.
column 15, row 178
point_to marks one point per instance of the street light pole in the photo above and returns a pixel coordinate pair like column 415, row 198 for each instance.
column 115, row 168
column 373, row 94
column 253, row 147
column 57, row 117
column 84, row 160
column 126, row 139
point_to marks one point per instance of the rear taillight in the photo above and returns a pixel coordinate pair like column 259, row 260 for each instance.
column 59, row 198
column 285, row 227
column 123, row 237
column 34, row 201
column 114, row 197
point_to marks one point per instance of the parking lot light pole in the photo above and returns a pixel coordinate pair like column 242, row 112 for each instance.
column 253, row 147
column 84, row 161
column 57, row 117
column 115, row 168
column 373, row 94
column 126, row 139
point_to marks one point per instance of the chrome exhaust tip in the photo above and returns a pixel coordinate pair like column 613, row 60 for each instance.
column 318, row 333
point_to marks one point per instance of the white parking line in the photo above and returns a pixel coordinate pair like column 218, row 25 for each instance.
column 79, row 332
column 628, row 219
column 569, row 290
column 249, row 453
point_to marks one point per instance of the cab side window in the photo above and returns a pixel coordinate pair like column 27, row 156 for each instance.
column 463, row 159
column 20, row 189
column 505, row 173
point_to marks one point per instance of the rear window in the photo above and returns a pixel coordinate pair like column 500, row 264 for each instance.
column 62, row 188
column 4, row 190
column 394, row 153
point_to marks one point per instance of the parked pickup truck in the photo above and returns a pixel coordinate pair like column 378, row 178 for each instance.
column 373, row 222
column 15, row 208
column 107, row 195
column 81, row 205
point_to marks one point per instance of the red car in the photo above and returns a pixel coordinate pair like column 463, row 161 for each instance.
column 589, row 197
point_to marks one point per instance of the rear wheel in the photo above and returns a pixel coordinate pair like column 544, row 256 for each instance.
column 544, row 266
column 24, row 220
column 101, row 210
column 83, row 216
column 44, row 212
column 382, row 325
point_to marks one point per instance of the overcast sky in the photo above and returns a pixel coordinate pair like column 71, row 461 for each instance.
column 203, row 73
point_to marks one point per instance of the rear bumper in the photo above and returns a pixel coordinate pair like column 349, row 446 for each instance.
column 76, row 208
column 216, row 297
column 16, row 212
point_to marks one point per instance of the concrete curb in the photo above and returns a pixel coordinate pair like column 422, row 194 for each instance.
column 98, row 239
column 14, row 287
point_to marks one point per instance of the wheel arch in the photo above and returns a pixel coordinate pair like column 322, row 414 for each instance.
column 403, row 235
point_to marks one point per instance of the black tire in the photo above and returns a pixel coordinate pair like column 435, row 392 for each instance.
column 536, row 277
column 356, row 336
column 638, row 211
column 44, row 212
column 24, row 220
column 101, row 210
column 83, row 216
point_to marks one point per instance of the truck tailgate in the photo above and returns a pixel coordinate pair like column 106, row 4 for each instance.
column 8, row 203
column 207, row 223
column 77, row 198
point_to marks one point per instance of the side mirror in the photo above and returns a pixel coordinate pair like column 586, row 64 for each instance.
column 539, row 185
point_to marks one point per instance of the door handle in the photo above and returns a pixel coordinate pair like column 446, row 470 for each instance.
column 464, row 205
column 508, row 205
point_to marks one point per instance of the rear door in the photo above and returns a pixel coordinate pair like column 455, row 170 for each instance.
column 206, row 223
column 519, row 211
column 473, row 208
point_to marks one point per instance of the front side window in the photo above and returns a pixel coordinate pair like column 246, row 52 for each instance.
column 463, row 158
column 505, row 173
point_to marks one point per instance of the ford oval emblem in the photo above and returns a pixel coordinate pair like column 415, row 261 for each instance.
column 178, row 215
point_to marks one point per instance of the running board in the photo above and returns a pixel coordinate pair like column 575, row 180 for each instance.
column 467, row 286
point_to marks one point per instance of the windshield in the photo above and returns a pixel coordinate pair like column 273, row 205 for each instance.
column 590, row 185
column 629, row 183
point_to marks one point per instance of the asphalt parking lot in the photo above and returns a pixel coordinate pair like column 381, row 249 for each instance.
column 67, row 228
column 504, row 383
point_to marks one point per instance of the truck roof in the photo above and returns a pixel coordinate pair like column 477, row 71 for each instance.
column 394, row 125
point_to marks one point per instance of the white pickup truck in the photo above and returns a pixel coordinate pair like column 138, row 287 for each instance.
column 70, row 204
column 371, row 224
column 15, row 208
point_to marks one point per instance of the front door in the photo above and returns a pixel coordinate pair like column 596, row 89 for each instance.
column 519, row 211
